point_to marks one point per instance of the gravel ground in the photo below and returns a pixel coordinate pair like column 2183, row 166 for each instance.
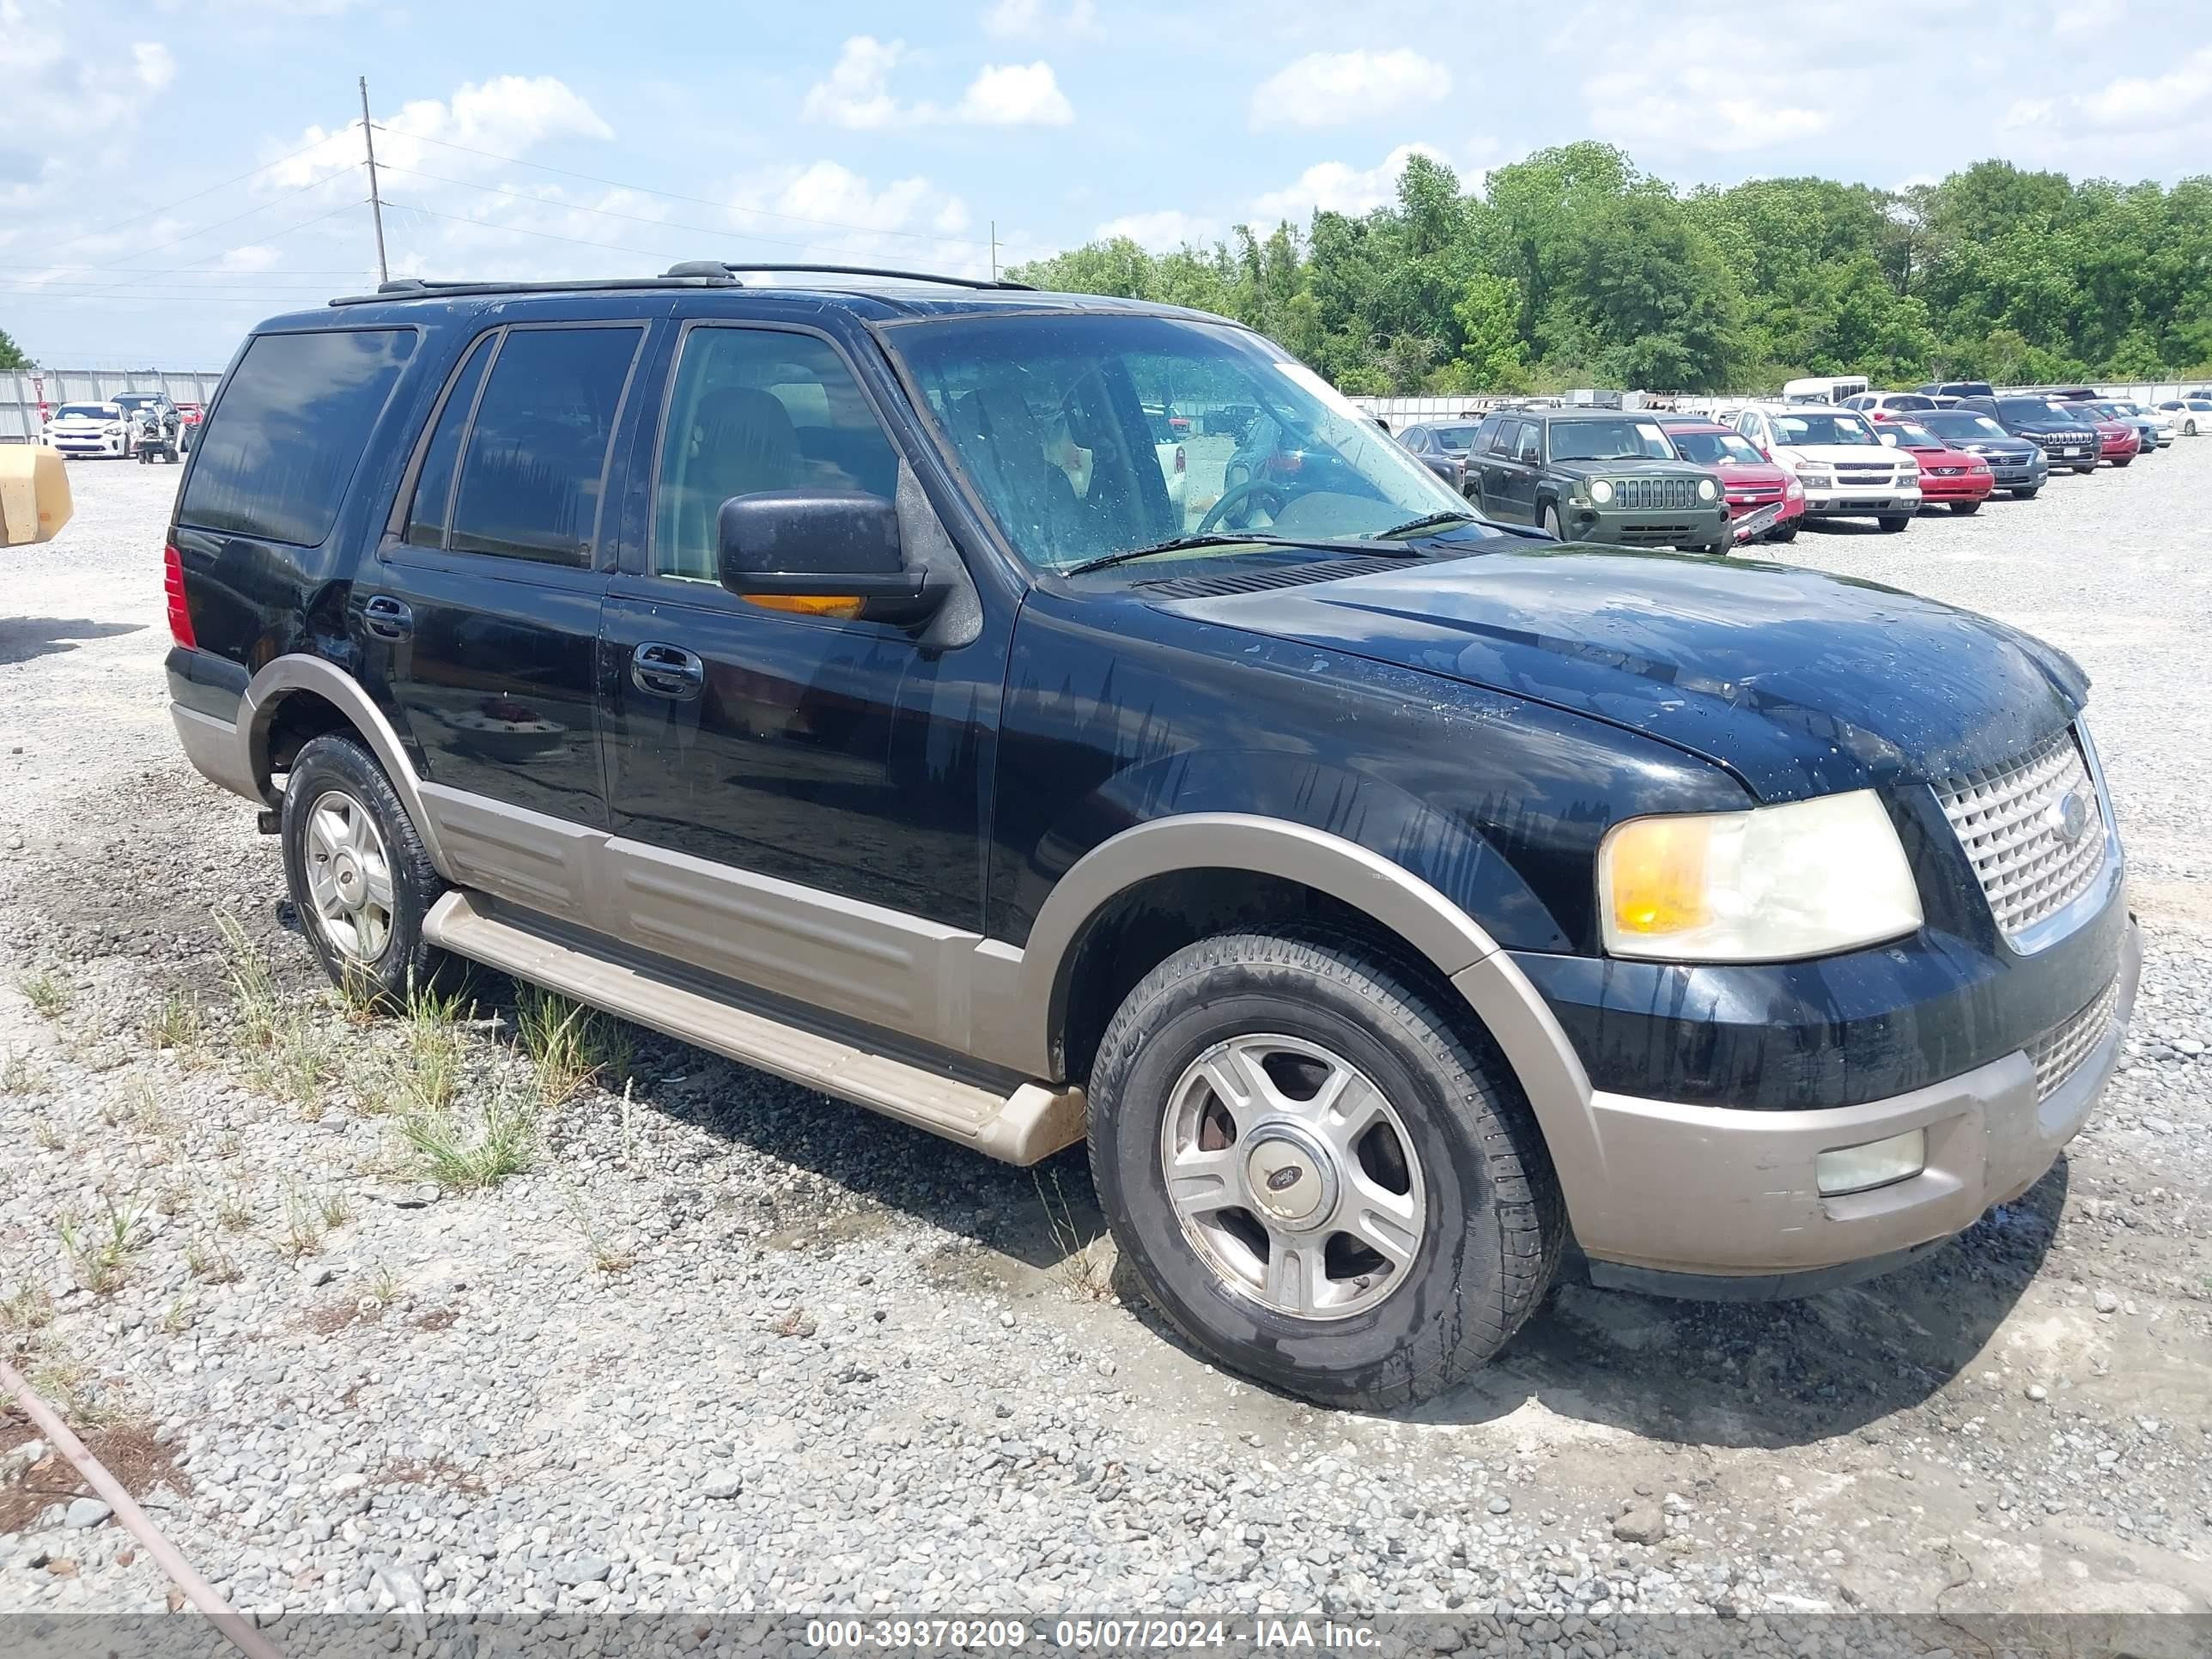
column 722, row 1344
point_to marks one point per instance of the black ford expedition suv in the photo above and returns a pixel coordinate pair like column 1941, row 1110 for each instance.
column 825, row 675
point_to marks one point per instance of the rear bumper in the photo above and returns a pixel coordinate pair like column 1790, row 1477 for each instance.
column 213, row 747
column 1701, row 1194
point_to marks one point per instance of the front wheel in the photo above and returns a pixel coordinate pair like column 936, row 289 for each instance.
column 1892, row 522
column 1553, row 528
column 2125, row 460
column 1317, row 1175
column 1787, row 533
column 1965, row 509
column 2026, row 495
column 2189, row 430
column 359, row 875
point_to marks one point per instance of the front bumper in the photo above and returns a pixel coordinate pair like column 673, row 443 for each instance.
column 1687, row 527
column 1842, row 503
column 1965, row 487
column 101, row 445
column 1695, row 1194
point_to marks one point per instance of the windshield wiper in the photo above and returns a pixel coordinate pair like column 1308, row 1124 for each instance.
column 1212, row 538
column 1426, row 521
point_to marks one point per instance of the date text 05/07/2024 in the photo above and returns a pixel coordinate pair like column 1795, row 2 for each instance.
column 1086, row 1635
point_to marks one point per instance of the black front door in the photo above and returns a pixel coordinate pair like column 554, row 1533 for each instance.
column 777, row 739
column 486, row 609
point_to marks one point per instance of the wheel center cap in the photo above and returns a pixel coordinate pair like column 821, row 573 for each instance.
column 347, row 874
column 1289, row 1175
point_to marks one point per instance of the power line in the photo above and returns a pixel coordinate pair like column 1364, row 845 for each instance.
column 517, row 230
column 194, row 235
column 303, row 224
column 677, row 195
column 86, row 235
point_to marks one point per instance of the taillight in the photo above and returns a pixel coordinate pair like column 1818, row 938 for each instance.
column 1178, row 458
column 173, row 589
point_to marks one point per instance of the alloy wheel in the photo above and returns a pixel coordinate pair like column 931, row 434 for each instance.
column 349, row 876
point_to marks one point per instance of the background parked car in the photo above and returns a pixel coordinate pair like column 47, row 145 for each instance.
column 1846, row 471
column 2191, row 416
column 2118, row 442
column 1440, row 445
column 1889, row 405
column 2145, row 425
column 87, row 429
column 1958, row 389
column 2067, row 440
column 1955, row 479
column 2016, row 464
column 1749, row 482
column 1595, row 475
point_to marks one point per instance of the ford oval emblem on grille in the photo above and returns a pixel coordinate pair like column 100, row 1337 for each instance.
column 2069, row 816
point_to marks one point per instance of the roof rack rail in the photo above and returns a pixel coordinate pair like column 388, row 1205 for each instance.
column 708, row 267
column 401, row 288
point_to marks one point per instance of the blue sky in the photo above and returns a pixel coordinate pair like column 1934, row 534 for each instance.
column 559, row 139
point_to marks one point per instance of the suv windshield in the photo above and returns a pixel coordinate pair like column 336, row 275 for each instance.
column 1909, row 436
column 1712, row 448
column 1610, row 441
column 1046, row 417
column 1798, row 427
column 1960, row 423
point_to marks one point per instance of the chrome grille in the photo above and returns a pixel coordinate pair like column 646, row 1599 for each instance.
column 2011, row 818
column 2059, row 1052
column 1655, row 494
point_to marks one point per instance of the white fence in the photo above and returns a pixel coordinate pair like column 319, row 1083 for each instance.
column 21, row 391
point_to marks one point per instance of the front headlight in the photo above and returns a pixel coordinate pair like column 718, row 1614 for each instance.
column 1601, row 491
column 1802, row 879
column 1707, row 490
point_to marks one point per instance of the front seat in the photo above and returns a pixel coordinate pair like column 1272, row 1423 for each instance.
column 743, row 443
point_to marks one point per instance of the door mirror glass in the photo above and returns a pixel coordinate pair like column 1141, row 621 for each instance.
column 1889, row 438
column 820, row 553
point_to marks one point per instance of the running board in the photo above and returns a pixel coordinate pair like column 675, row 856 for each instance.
column 1030, row 1124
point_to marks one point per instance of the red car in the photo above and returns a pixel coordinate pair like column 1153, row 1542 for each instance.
column 1748, row 479
column 1948, row 477
column 2116, row 442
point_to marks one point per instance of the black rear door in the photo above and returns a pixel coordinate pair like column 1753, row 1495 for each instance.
column 486, row 600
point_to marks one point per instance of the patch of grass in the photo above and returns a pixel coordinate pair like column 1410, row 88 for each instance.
column 27, row 1308
column 426, row 1072
column 21, row 1074
column 48, row 1134
column 384, row 1283
column 1085, row 1269
column 49, row 995
column 176, row 1198
column 334, row 1209
column 570, row 1044
column 303, row 1225
column 252, row 982
column 59, row 1378
column 177, row 1317
column 606, row 1257
column 294, row 1064
column 206, row 1260
column 471, row 1151
column 147, row 1113
column 100, row 1248
column 234, row 1211
column 176, row 1026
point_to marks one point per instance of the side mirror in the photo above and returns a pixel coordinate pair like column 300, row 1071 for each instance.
column 820, row 553
column 1889, row 438
column 34, row 494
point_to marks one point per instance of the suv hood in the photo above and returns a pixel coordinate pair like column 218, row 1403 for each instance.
column 1834, row 454
column 1799, row 683
column 1630, row 466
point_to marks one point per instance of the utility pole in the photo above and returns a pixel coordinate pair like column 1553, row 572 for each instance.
column 994, row 250
column 375, row 202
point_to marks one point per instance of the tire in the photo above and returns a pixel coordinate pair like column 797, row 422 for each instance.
column 1787, row 533
column 2026, row 495
column 2189, row 428
column 1892, row 522
column 1486, row 1218
column 1551, row 522
column 2126, row 461
column 336, row 777
column 1965, row 509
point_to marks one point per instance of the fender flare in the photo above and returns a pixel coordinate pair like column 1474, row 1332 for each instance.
column 1021, row 994
column 286, row 675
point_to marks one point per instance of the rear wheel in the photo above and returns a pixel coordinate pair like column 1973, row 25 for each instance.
column 1965, row 509
column 1892, row 522
column 1319, row 1179
column 358, row 873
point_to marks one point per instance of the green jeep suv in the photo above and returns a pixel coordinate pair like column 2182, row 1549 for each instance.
column 1595, row 475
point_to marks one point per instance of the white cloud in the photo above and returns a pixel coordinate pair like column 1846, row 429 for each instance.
column 1033, row 19
column 1326, row 88
column 156, row 68
column 1339, row 187
column 257, row 257
column 2085, row 19
column 1162, row 231
column 857, row 93
column 841, row 216
column 2169, row 105
column 507, row 115
column 1015, row 96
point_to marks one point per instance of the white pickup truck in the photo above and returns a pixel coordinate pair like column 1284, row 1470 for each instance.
column 1846, row 470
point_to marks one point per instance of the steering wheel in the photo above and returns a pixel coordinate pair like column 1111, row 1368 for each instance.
column 1241, row 496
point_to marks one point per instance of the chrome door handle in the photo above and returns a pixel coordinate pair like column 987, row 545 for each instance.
column 666, row 671
column 388, row 618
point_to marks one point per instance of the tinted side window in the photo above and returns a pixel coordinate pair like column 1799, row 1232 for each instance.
column 755, row 409
column 1531, row 443
column 531, row 469
column 281, row 447
column 433, row 484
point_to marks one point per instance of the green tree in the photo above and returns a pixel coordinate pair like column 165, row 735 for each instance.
column 1491, row 353
column 11, row 354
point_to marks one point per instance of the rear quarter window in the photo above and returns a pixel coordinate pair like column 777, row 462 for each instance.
column 277, row 454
